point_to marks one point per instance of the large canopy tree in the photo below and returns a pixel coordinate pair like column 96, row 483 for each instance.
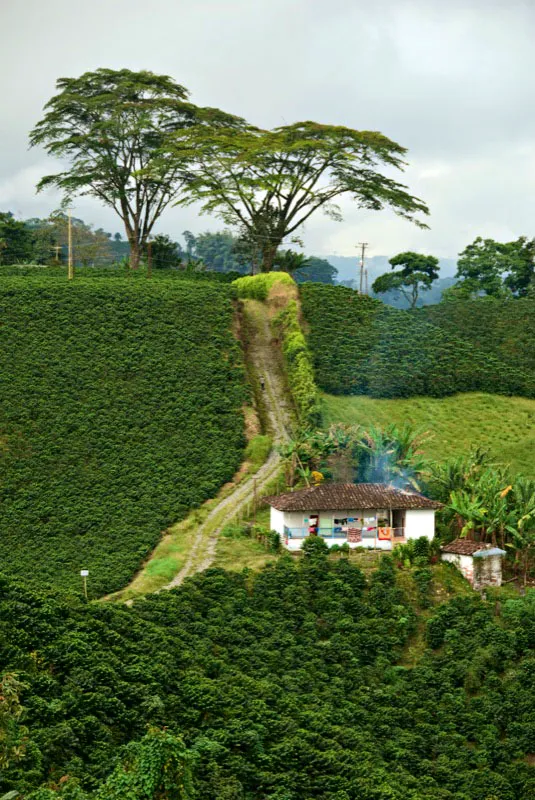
column 417, row 272
column 271, row 182
column 16, row 241
column 496, row 268
column 108, row 125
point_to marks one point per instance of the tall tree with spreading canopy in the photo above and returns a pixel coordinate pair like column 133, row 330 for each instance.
column 496, row 268
column 417, row 272
column 16, row 242
column 271, row 182
column 108, row 125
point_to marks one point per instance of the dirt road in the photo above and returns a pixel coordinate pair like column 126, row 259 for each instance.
column 265, row 361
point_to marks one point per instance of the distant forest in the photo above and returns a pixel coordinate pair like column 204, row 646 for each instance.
column 45, row 241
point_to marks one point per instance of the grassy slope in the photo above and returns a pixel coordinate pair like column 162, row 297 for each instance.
column 503, row 425
column 119, row 411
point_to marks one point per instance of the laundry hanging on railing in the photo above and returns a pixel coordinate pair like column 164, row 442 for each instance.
column 384, row 533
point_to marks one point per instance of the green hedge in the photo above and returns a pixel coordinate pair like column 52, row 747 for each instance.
column 361, row 346
column 120, row 410
column 258, row 287
column 299, row 366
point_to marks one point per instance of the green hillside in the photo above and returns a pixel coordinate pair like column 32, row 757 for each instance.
column 119, row 411
column 290, row 683
column 504, row 327
column 505, row 426
column 361, row 346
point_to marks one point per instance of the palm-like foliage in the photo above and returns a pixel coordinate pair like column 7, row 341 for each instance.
column 483, row 502
column 290, row 261
column 375, row 455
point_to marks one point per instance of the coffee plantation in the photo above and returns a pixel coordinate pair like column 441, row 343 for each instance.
column 290, row 683
column 119, row 412
column 361, row 346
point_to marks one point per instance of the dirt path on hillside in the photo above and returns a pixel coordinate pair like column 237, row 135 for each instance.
column 265, row 361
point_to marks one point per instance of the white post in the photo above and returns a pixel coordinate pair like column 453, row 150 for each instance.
column 84, row 573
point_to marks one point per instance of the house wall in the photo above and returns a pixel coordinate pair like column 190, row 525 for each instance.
column 480, row 571
column 276, row 520
column 419, row 522
column 487, row 571
column 464, row 563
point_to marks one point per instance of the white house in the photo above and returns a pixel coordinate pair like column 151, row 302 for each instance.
column 481, row 564
column 373, row 515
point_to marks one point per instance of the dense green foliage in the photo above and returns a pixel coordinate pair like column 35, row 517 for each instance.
column 218, row 251
column 258, row 287
column 299, row 366
column 119, row 412
column 504, row 328
column 482, row 500
column 316, row 270
column 360, row 346
column 284, row 684
column 496, row 268
column 16, row 242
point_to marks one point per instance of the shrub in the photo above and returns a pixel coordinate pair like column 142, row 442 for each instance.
column 422, row 548
column 299, row 366
column 258, row 287
column 423, row 579
column 315, row 547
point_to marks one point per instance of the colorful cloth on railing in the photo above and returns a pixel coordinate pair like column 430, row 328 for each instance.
column 384, row 533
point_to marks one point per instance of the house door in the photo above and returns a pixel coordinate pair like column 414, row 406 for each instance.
column 398, row 521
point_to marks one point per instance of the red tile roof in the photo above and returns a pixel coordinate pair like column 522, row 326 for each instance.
column 350, row 496
column 462, row 547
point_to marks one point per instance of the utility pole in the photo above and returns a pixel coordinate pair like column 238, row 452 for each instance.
column 70, row 268
column 56, row 248
column 366, row 281
column 149, row 258
column 254, row 500
column 363, row 246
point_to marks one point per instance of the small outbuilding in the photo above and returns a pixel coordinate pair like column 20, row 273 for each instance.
column 481, row 564
column 374, row 515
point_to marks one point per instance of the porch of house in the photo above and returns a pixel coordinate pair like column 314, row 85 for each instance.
column 378, row 530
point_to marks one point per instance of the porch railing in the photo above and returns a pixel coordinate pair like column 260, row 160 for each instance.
column 397, row 535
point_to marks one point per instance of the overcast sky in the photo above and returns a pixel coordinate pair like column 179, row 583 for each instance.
column 451, row 81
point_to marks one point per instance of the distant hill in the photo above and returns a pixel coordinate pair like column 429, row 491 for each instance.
column 348, row 266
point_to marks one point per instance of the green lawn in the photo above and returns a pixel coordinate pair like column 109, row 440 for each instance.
column 503, row 425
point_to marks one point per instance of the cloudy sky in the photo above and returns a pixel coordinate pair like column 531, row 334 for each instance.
column 452, row 81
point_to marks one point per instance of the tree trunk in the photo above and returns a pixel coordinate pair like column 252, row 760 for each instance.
column 268, row 257
column 135, row 253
